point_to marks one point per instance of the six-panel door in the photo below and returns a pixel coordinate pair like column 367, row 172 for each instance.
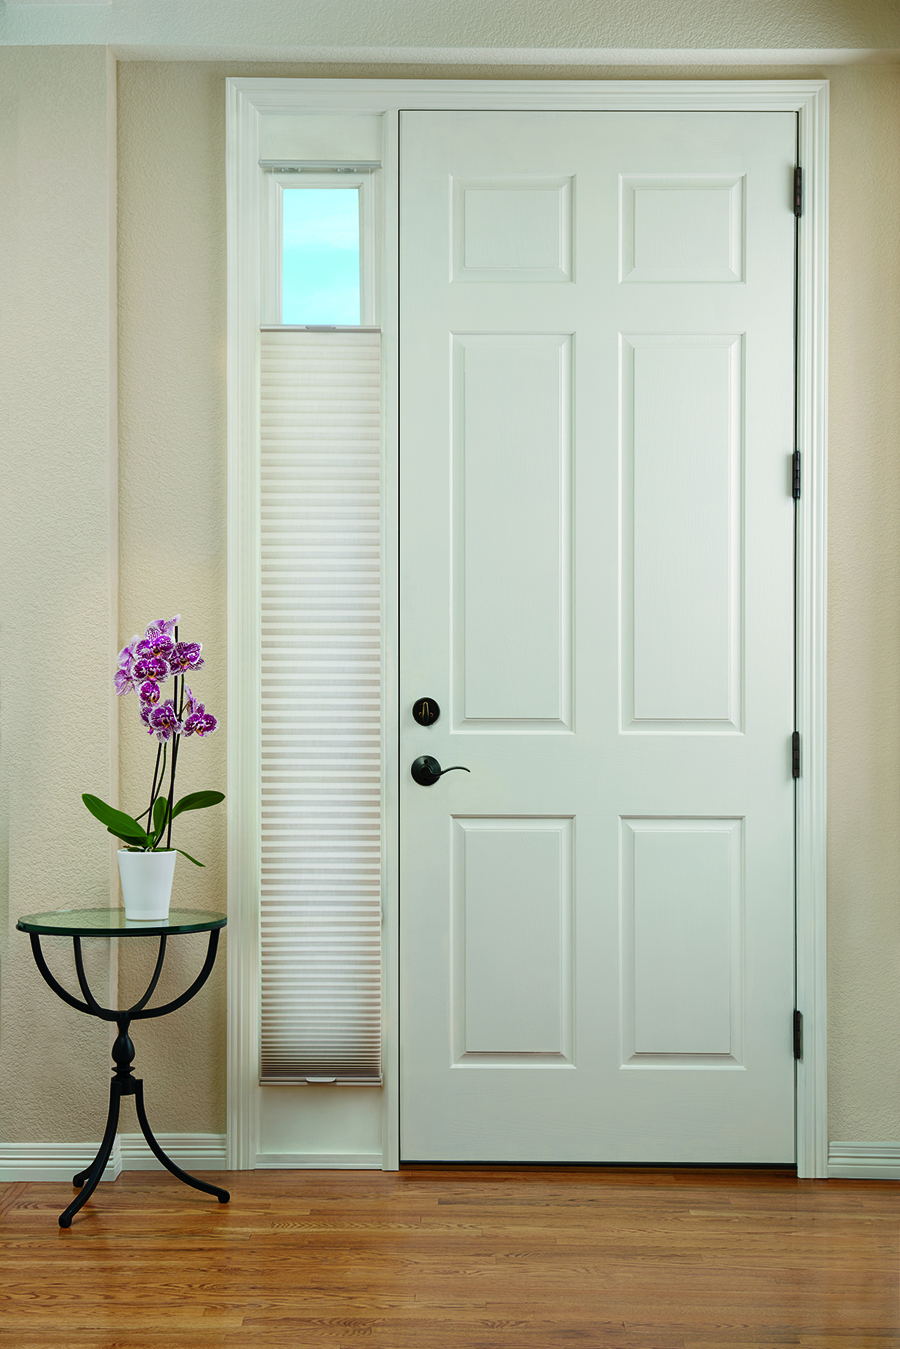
column 596, row 587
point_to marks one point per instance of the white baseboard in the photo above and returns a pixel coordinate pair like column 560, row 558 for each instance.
column 53, row 1161
column 61, row 1161
column 206, row 1152
column 192, row 1152
column 312, row 1161
column 864, row 1161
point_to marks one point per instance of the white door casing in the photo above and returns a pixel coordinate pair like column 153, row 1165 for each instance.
column 258, row 109
column 597, row 586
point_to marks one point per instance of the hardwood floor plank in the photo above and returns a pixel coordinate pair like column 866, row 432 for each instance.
column 455, row 1258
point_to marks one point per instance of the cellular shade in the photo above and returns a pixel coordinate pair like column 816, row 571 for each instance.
column 321, row 708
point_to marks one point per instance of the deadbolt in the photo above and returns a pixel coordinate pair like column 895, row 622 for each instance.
column 426, row 711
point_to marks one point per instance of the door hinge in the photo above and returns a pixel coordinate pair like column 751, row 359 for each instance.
column 798, row 1034
column 798, row 191
column 795, row 475
column 795, row 754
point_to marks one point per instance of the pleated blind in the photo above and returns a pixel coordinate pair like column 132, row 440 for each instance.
column 321, row 708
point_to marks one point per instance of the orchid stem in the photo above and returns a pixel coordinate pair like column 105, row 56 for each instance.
column 149, row 811
column 157, row 787
column 174, row 758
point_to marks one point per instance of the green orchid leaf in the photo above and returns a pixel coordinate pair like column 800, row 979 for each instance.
column 131, row 839
column 189, row 858
column 115, row 820
column 160, row 815
column 197, row 801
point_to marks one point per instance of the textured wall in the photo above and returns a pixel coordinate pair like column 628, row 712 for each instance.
column 57, row 547
column 216, row 25
column 172, row 525
column 172, row 324
column 864, row 609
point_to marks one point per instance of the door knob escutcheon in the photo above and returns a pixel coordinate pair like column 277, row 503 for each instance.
column 426, row 770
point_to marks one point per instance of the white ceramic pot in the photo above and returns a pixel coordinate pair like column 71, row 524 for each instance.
column 146, row 883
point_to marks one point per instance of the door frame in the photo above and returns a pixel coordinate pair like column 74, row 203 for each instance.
column 251, row 103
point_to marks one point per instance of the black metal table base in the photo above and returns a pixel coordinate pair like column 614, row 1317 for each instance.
column 124, row 1083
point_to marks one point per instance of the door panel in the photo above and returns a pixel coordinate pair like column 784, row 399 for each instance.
column 512, row 929
column 596, row 577
column 512, row 564
column 681, row 524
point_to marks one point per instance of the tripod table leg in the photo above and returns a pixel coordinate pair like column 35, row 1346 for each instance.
column 90, row 1176
column 222, row 1195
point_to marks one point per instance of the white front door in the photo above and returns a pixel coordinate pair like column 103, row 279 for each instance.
column 597, row 556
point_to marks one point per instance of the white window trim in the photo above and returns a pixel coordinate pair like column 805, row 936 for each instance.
column 248, row 102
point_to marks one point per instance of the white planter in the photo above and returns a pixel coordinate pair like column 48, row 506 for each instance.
column 146, row 883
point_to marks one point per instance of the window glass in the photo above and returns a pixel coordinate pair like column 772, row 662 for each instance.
column 320, row 255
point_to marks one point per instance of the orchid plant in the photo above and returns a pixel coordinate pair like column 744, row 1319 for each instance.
column 144, row 665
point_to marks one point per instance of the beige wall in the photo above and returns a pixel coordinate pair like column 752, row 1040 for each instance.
column 172, row 526
column 57, row 555
column 172, row 518
column 864, row 608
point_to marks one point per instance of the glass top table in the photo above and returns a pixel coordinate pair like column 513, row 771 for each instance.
column 86, row 923
column 113, row 923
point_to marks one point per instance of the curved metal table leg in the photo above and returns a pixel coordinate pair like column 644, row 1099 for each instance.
column 90, row 1176
column 222, row 1195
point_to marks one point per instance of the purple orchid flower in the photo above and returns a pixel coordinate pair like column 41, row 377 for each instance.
column 150, row 667
column 123, row 679
column 150, row 647
column 149, row 692
column 159, row 638
column 197, row 720
column 126, row 655
column 186, row 656
column 200, row 722
column 163, row 721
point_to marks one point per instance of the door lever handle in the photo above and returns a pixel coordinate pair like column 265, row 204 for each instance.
column 426, row 770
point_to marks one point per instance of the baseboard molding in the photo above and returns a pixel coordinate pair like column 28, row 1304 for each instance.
column 864, row 1161
column 313, row 1161
column 53, row 1161
column 192, row 1152
column 61, row 1161
column 206, row 1152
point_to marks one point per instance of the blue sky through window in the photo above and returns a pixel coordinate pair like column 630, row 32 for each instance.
column 320, row 255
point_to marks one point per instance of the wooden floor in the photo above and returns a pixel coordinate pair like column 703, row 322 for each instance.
column 429, row 1258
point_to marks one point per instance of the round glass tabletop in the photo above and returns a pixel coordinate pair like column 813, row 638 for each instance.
column 113, row 923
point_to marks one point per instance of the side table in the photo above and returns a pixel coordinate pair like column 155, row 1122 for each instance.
column 79, row 923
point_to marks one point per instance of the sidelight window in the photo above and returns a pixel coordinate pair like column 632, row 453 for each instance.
column 320, row 631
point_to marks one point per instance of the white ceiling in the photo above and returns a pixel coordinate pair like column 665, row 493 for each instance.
column 506, row 32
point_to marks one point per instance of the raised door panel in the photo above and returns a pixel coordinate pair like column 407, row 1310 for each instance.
column 511, row 532
column 682, row 228
column 683, row 945
column 681, row 466
column 512, row 229
column 512, row 932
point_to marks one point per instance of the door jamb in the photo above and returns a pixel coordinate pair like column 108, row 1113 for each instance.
column 250, row 102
